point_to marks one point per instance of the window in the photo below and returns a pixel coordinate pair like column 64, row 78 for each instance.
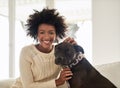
column 76, row 12
column 78, row 15
column 4, row 38
column 20, row 34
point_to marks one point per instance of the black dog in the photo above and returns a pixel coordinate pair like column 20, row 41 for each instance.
column 84, row 74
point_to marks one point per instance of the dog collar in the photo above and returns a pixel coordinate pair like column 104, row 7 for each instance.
column 78, row 57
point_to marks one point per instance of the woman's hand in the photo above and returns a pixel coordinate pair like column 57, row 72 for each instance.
column 70, row 40
column 64, row 76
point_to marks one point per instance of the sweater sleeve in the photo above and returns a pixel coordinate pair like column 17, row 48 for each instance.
column 27, row 76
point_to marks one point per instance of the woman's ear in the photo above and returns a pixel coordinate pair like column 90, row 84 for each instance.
column 55, row 40
column 37, row 38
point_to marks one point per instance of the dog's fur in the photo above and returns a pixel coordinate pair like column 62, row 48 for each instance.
column 84, row 74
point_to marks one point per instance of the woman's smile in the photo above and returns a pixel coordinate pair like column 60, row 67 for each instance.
column 46, row 36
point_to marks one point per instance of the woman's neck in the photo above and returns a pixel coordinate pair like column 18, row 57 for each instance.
column 42, row 49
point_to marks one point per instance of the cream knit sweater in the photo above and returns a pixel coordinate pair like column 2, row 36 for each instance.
column 37, row 69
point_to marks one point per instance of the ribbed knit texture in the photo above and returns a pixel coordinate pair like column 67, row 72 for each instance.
column 37, row 69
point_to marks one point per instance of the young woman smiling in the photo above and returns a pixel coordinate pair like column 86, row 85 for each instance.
column 37, row 66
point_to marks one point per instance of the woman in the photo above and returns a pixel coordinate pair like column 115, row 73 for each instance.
column 37, row 67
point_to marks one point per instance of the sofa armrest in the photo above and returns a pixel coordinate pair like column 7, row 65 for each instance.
column 6, row 83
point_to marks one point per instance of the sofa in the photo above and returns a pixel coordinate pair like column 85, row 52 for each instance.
column 110, row 71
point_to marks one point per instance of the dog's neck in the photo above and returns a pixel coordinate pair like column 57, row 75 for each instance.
column 77, row 58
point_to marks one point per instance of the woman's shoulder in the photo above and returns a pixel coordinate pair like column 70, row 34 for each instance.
column 27, row 47
column 28, row 50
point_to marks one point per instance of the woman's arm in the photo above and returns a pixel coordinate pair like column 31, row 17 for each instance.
column 27, row 75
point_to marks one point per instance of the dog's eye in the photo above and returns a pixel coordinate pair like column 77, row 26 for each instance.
column 67, row 52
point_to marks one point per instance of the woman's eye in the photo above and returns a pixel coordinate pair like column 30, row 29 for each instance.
column 41, row 32
column 51, row 33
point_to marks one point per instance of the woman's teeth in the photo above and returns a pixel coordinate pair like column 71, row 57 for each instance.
column 46, row 42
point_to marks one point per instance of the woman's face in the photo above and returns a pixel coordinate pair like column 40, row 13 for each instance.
column 46, row 35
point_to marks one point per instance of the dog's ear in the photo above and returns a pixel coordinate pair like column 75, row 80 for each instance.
column 78, row 48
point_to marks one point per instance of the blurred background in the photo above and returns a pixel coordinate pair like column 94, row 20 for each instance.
column 94, row 24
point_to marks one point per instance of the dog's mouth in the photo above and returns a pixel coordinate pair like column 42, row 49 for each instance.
column 62, row 62
column 63, row 65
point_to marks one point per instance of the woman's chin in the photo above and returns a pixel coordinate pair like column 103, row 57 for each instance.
column 47, row 47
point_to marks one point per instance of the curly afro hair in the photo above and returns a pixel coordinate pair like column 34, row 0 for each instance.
column 46, row 16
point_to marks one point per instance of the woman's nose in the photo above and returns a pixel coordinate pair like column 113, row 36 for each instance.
column 47, row 35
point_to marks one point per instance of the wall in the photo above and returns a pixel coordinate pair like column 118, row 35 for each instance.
column 106, row 31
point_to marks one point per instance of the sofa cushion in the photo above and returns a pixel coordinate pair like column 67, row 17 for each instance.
column 110, row 71
column 6, row 83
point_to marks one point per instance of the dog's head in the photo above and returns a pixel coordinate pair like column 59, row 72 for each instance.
column 65, row 53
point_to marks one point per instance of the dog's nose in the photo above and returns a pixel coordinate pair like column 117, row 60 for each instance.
column 58, row 60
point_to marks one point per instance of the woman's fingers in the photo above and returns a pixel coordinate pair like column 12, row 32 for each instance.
column 70, row 40
column 66, row 74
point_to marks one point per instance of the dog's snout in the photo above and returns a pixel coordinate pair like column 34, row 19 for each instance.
column 58, row 60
